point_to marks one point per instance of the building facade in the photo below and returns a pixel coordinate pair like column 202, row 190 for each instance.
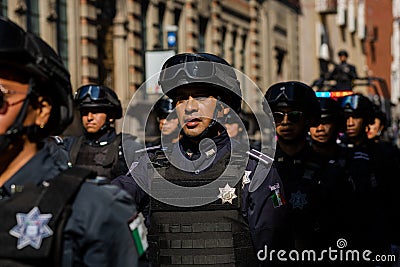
column 106, row 41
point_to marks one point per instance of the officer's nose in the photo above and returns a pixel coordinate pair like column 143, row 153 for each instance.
column 191, row 105
column 90, row 116
column 350, row 121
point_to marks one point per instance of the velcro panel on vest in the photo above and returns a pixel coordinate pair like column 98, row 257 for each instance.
column 51, row 198
column 112, row 152
column 186, row 179
column 213, row 238
column 76, row 146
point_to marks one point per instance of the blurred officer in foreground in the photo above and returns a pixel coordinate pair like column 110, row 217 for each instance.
column 343, row 73
column 168, row 123
column 200, row 222
column 295, row 109
column 51, row 215
column 100, row 147
column 373, row 173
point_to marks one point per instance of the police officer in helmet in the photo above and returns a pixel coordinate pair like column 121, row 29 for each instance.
column 100, row 147
column 343, row 73
column 295, row 108
column 167, row 123
column 51, row 215
column 325, row 135
column 334, row 185
column 203, row 88
column 371, row 168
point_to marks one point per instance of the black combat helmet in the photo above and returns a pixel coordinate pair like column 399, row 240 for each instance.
column 164, row 107
column 358, row 106
column 98, row 97
column 201, row 69
column 379, row 114
column 343, row 53
column 24, row 56
column 331, row 112
column 294, row 94
column 330, row 109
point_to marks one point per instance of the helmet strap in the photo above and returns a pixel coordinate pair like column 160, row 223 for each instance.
column 214, row 126
column 12, row 143
column 106, row 126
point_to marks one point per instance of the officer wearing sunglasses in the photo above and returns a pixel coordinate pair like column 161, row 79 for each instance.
column 100, row 147
column 196, row 203
column 51, row 214
column 295, row 108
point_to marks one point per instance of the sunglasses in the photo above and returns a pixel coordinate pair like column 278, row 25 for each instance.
column 292, row 116
column 4, row 104
column 168, row 116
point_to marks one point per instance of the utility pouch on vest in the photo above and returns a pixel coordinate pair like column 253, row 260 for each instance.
column 213, row 234
column 36, row 217
column 112, row 152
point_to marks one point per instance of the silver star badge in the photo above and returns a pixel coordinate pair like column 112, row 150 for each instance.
column 227, row 194
column 298, row 200
column 31, row 228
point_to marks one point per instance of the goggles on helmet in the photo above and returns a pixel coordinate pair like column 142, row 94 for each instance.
column 353, row 102
column 192, row 68
column 92, row 91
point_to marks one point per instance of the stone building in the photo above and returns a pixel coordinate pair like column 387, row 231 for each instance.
column 107, row 41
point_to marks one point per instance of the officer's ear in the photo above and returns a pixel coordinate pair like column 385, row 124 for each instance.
column 42, row 111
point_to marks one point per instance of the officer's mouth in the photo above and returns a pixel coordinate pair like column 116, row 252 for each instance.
column 192, row 122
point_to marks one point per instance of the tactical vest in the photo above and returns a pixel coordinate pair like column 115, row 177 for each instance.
column 100, row 159
column 52, row 198
column 214, row 234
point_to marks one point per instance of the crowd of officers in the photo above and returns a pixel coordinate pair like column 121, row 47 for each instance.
column 80, row 200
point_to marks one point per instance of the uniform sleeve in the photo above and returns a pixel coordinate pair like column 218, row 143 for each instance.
column 98, row 231
column 266, row 211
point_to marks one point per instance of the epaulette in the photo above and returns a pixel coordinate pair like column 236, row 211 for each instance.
column 99, row 180
column 148, row 149
column 57, row 139
column 260, row 156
